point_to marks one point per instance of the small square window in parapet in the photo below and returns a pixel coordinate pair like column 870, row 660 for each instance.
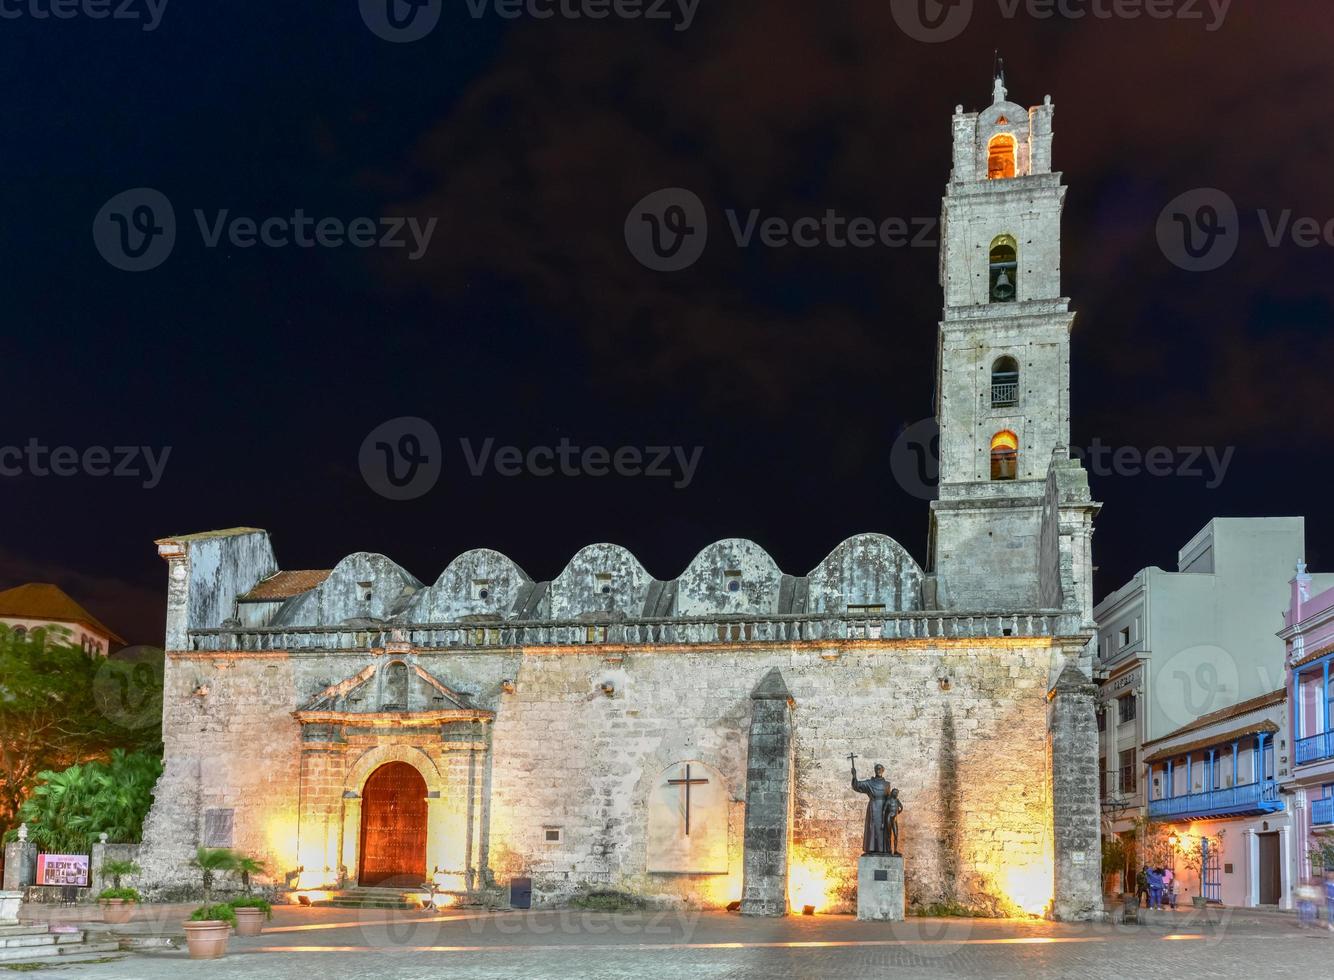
column 732, row 580
column 364, row 591
column 481, row 588
column 602, row 582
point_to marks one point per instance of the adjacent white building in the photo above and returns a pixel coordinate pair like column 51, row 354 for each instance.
column 40, row 606
column 1191, row 679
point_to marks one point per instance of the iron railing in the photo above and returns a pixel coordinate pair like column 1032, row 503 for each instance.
column 1249, row 797
column 1315, row 748
column 648, row 632
column 1322, row 812
column 1004, row 395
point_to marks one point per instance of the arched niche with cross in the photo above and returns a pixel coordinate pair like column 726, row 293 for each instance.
column 687, row 820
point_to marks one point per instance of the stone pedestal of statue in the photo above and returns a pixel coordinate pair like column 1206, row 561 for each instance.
column 880, row 895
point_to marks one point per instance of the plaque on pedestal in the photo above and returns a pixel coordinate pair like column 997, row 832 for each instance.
column 880, row 895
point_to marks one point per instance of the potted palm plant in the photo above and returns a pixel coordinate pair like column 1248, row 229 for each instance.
column 117, row 902
column 207, row 931
column 247, row 866
column 251, row 914
column 210, row 861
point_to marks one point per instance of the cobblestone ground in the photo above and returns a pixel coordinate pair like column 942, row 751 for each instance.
column 329, row 944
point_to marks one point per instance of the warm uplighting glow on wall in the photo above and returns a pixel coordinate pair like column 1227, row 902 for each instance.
column 315, row 879
column 314, row 895
column 280, row 832
column 1029, row 886
column 809, row 881
column 716, row 891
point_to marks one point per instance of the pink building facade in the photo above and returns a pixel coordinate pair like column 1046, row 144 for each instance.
column 1308, row 631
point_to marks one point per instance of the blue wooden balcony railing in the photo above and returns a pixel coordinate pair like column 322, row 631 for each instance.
column 1315, row 748
column 1261, row 797
column 1322, row 812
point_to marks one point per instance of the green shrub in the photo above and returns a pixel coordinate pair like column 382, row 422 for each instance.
column 209, row 913
column 67, row 809
column 129, row 894
column 253, row 903
column 945, row 910
column 607, row 902
column 118, row 869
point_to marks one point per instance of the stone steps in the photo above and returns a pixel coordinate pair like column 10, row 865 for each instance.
column 25, row 944
column 368, row 903
column 11, row 935
column 373, row 898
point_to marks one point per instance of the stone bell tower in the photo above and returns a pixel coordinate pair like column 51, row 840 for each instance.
column 1003, row 360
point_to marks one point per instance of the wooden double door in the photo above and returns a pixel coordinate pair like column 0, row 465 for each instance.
column 393, row 827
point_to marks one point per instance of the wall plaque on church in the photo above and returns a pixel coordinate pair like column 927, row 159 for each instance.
column 218, row 827
column 687, row 821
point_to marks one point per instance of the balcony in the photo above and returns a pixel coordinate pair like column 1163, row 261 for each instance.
column 1003, row 395
column 1261, row 797
column 1322, row 812
column 1316, row 748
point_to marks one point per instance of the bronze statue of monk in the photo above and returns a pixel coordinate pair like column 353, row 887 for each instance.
column 875, row 836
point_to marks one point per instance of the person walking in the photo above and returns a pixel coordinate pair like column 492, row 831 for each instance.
column 1307, row 896
column 1170, row 887
column 1142, row 884
column 1156, row 888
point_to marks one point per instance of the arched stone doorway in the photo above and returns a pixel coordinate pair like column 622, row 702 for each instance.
column 393, row 826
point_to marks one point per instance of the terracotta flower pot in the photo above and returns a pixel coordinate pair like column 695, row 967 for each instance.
column 116, row 911
column 207, row 940
column 1199, row 901
column 249, row 922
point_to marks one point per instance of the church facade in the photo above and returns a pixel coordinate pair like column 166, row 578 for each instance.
column 688, row 741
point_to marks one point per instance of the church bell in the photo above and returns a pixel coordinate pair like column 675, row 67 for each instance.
column 1003, row 289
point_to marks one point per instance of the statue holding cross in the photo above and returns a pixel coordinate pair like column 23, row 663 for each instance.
column 880, row 833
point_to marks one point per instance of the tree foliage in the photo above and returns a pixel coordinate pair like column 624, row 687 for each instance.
column 67, row 810
column 1153, row 844
column 1321, row 853
column 60, row 707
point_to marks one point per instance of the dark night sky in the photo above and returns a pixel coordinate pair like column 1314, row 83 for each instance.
column 528, row 320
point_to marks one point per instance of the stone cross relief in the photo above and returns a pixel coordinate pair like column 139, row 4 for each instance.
column 685, row 784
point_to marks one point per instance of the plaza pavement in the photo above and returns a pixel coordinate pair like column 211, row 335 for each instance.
column 334, row 943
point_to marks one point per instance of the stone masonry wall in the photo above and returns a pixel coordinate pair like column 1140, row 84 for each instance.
column 961, row 727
